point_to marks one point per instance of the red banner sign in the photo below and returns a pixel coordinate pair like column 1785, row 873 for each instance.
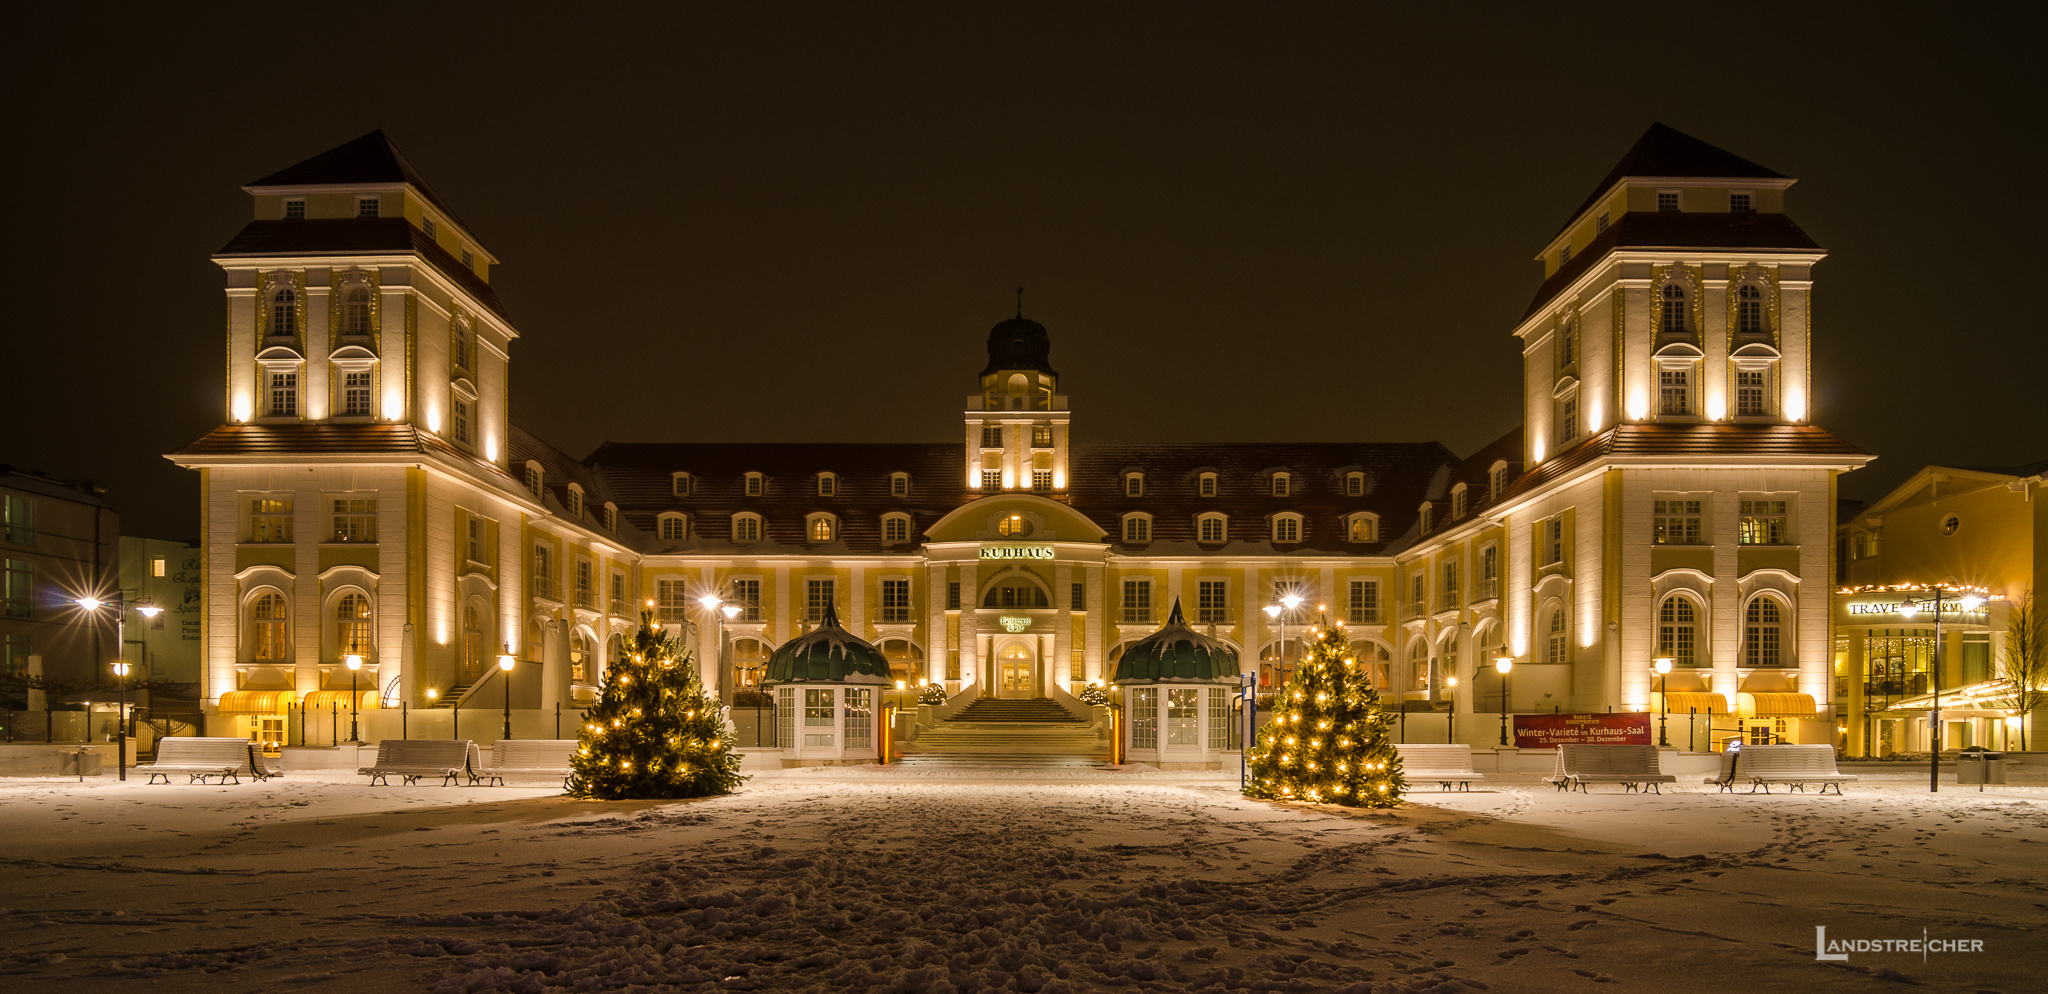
column 1545, row 731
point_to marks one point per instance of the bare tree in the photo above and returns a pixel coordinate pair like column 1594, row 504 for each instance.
column 2026, row 659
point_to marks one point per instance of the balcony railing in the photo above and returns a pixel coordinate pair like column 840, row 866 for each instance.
column 586, row 599
column 616, row 607
column 1418, row 610
column 547, row 590
column 1137, row 616
column 1485, row 590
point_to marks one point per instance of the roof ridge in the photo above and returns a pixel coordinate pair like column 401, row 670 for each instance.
column 1665, row 151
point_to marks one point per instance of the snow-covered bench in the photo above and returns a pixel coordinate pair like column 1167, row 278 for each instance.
column 259, row 764
column 1792, row 765
column 199, row 758
column 1446, row 764
column 528, row 757
column 1725, row 778
column 1635, row 767
column 411, row 759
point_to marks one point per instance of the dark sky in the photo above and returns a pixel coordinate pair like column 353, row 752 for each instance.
column 1266, row 223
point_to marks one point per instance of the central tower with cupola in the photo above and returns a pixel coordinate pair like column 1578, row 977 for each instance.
column 1017, row 424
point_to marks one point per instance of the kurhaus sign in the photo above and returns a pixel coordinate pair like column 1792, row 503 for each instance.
column 1016, row 552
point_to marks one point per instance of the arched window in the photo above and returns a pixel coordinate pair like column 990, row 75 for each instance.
column 472, row 643
column 674, row 527
column 1205, row 485
column 1137, row 529
column 1558, row 641
column 579, row 658
column 899, row 484
column 1678, row 631
column 352, row 625
column 271, row 630
column 1014, row 526
column 1361, row 527
column 1763, row 634
column 355, row 311
column 1286, row 528
column 1212, row 528
column 284, row 311
column 1459, row 502
column 906, row 660
column 821, row 527
column 746, row 528
column 1749, row 310
column 679, row 484
column 575, row 500
column 1015, row 591
column 1283, row 483
column 896, row 527
column 749, row 662
column 461, row 347
column 1354, row 484
column 828, row 484
column 1418, row 665
column 1567, row 343
column 1674, row 309
column 1134, row 484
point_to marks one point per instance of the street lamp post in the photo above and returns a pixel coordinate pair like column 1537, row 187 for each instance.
column 721, row 612
column 1451, row 716
column 1502, row 665
column 1907, row 609
column 505, row 663
column 354, row 661
column 1280, row 611
column 148, row 609
column 1663, row 668
column 120, row 719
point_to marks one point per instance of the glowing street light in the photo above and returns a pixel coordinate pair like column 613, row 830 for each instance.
column 1280, row 611
column 1451, row 716
column 354, row 662
column 1907, row 609
column 1663, row 668
column 505, row 663
column 1502, row 665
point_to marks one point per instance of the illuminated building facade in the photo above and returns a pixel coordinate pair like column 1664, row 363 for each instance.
column 1668, row 495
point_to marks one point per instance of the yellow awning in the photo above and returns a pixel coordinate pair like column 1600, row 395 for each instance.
column 256, row 701
column 1776, row 705
column 337, row 700
column 1687, row 702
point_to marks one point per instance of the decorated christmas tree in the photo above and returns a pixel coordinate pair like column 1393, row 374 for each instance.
column 1328, row 740
column 654, row 733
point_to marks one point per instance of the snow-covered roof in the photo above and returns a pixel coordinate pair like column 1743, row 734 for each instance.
column 828, row 654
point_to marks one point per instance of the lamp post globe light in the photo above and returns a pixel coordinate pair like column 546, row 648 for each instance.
column 1279, row 612
column 1451, row 716
column 120, row 718
column 148, row 609
column 354, row 662
column 1907, row 609
column 1663, row 668
column 505, row 663
column 1502, row 666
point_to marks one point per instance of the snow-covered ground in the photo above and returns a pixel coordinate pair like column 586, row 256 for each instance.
column 1046, row 880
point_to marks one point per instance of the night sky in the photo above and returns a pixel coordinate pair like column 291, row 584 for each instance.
column 1298, row 223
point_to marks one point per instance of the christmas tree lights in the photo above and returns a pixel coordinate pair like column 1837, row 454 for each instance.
column 1328, row 741
column 654, row 733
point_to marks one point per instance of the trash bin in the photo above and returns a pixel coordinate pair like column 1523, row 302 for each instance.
column 1980, row 768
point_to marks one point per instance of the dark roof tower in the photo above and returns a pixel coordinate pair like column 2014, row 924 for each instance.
column 1666, row 152
column 1019, row 343
column 367, row 160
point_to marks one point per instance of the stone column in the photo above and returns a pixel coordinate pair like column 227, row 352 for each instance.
column 554, row 665
column 1063, row 600
column 970, row 627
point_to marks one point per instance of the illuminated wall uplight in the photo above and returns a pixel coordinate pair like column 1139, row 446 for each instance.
column 241, row 407
column 394, row 406
column 1538, row 457
column 1638, row 404
column 491, row 449
column 433, row 418
column 1795, row 404
column 1593, row 415
column 1717, row 407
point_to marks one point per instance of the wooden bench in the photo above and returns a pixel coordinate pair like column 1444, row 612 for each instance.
column 528, row 757
column 259, row 764
column 1635, row 767
column 199, row 758
column 1792, row 765
column 411, row 759
column 1725, row 779
column 1446, row 764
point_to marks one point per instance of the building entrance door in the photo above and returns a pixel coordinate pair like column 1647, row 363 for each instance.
column 1015, row 676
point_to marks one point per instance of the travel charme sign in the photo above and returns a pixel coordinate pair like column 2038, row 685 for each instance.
column 1014, row 551
column 1890, row 606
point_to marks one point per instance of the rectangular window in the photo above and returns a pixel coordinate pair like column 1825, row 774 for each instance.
column 1458, row 504
column 618, row 594
column 785, row 717
column 1567, row 419
column 1280, row 484
column 1079, row 601
column 1041, row 480
column 1144, row 717
column 1739, row 203
column 14, row 653
column 1208, row 485
column 1134, row 485
column 586, row 582
column 754, row 484
column 1749, row 392
column 817, row 597
column 355, row 394
column 476, row 540
column 1674, row 391
column 1213, row 604
column 1451, row 582
column 828, row 485
column 671, row 601
column 1675, row 522
column 899, row 486
column 1762, row 523
column 468, row 259
column 991, row 436
column 748, row 595
column 1418, row 596
column 1553, row 543
column 431, row 229
column 1489, row 574
column 1600, row 223
column 1564, row 256
column 1354, row 484
column 18, row 519
column 295, row 209
column 270, row 521
column 1667, row 200
column 1184, row 716
column 860, row 717
column 991, row 479
column 1137, row 529
column 284, row 395
column 355, row 520
column 1137, row 602
column 679, row 485
column 458, row 421
column 896, row 600
column 1365, row 602
column 953, row 596
column 1219, row 718
column 818, row 709
column 1041, row 436
column 366, row 206
column 158, row 567
column 18, row 591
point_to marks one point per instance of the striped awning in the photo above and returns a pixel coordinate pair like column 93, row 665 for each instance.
column 256, row 701
column 337, row 700
column 1776, row 705
column 1691, row 701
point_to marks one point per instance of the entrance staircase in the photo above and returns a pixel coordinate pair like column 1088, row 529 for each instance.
column 990, row 726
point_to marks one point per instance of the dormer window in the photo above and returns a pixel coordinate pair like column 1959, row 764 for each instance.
column 611, row 516
column 1458, row 502
column 468, row 259
column 679, row 484
column 756, row 484
column 899, row 484
column 1283, row 484
column 428, row 225
column 1354, row 484
column 895, row 528
column 821, row 527
column 575, row 500
column 1667, row 201
column 1212, row 528
column 366, row 207
column 1497, row 480
column 1428, row 518
column 1286, row 528
column 828, row 485
column 295, row 209
column 1137, row 529
column 746, row 528
column 673, row 526
column 1362, row 527
column 534, row 478
column 1205, row 485
column 1134, row 484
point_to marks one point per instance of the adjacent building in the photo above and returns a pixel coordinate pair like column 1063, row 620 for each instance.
column 59, row 543
column 1666, row 496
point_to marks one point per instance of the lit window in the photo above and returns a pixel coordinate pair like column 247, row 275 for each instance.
column 1362, row 529
column 1762, row 523
column 1674, row 391
column 1675, row 522
column 1762, row 634
column 1014, row 526
column 270, row 520
column 352, row 625
column 355, row 394
column 269, row 628
column 822, row 529
column 1041, row 436
column 1678, row 632
column 1667, row 200
column 355, row 519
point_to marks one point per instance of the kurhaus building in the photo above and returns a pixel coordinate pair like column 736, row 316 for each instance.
column 1667, row 495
